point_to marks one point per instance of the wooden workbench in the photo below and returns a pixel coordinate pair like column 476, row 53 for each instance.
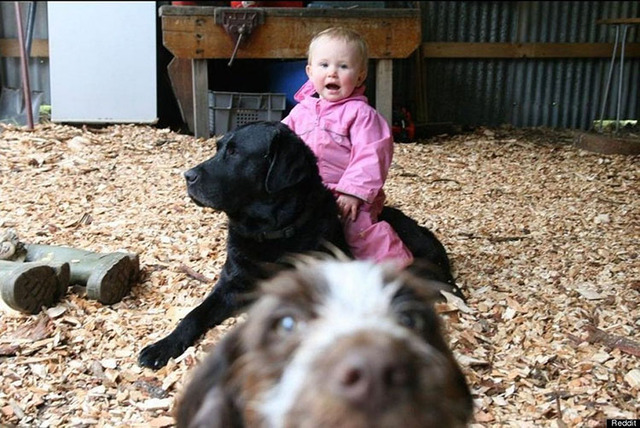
column 191, row 32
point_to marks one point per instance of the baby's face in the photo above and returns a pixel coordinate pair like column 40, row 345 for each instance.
column 335, row 69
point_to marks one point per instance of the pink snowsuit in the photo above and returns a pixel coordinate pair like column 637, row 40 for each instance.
column 354, row 147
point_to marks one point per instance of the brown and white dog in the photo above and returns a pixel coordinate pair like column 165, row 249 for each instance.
column 332, row 343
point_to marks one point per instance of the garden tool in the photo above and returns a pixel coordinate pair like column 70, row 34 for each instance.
column 107, row 276
column 21, row 105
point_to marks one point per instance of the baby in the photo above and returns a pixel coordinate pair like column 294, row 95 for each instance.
column 352, row 141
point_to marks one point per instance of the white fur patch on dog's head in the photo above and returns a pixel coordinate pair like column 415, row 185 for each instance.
column 356, row 298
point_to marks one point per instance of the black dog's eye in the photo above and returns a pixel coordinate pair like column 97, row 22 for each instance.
column 231, row 150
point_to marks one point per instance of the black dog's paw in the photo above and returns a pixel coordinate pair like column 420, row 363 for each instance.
column 456, row 291
column 425, row 268
column 157, row 355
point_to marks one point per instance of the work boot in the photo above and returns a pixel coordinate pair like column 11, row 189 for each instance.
column 107, row 277
column 29, row 286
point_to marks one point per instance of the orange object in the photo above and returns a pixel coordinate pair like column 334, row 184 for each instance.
column 403, row 128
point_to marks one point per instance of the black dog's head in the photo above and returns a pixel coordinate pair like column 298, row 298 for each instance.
column 252, row 163
column 333, row 344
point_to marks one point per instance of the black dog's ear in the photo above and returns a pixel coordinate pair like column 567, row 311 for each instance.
column 290, row 161
column 205, row 402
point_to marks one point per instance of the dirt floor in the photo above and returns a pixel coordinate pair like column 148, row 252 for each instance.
column 544, row 238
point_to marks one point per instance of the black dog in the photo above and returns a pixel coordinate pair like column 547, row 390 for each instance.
column 266, row 180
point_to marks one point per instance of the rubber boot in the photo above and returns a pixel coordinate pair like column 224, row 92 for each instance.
column 107, row 277
column 63, row 276
column 29, row 286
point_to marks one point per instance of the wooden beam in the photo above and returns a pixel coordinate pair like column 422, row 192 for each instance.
column 285, row 33
column 524, row 50
column 619, row 21
column 11, row 48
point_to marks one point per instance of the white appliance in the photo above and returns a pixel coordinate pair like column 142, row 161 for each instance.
column 102, row 61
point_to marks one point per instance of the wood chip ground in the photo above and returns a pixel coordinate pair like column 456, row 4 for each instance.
column 544, row 239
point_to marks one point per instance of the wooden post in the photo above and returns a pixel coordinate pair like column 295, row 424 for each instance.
column 200, row 98
column 384, row 89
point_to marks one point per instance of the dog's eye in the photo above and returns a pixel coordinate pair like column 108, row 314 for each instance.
column 231, row 150
column 412, row 319
column 286, row 325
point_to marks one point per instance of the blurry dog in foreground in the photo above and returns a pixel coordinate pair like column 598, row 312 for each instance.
column 332, row 343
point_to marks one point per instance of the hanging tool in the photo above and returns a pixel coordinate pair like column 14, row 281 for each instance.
column 241, row 32
column 238, row 23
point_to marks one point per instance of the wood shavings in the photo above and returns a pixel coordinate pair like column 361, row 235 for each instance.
column 614, row 341
column 543, row 238
column 633, row 378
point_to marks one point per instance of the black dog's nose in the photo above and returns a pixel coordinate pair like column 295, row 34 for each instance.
column 191, row 176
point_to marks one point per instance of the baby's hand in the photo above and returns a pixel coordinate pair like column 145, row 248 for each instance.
column 348, row 206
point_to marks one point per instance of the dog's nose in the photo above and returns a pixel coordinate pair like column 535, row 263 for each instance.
column 368, row 376
column 191, row 176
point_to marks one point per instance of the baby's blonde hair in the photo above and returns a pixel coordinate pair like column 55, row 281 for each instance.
column 346, row 35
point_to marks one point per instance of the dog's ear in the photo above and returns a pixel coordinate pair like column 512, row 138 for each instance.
column 206, row 402
column 215, row 411
column 290, row 160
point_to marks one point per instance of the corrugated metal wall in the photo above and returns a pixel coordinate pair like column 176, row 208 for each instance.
column 522, row 92
column 38, row 67
column 526, row 92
